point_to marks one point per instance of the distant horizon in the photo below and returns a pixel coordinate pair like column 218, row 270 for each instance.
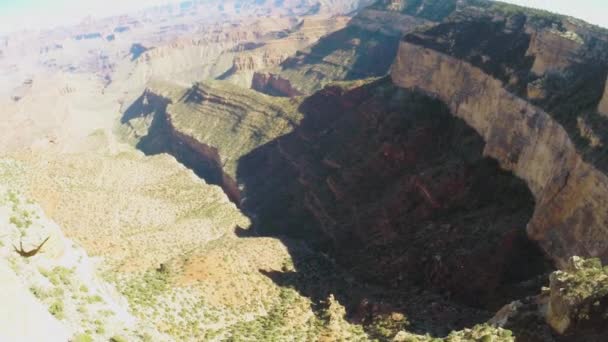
column 18, row 15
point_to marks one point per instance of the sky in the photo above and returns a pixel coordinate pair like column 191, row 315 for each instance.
column 36, row 14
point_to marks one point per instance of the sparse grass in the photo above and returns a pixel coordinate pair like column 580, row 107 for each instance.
column 277, row 323
column 39, row 293
column 539, row 17
column 56, row 309
column 143, row 291
column 58, row 275
column 118, row 339
column 83, row 338
column 583, row 280
column 387, row 326
column 94, row 299
column 21, row 219
column 99, row 327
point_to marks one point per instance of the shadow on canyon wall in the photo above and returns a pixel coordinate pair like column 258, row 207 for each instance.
column 403, row 209
column 384, row 200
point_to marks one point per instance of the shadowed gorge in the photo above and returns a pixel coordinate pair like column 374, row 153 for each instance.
column 398, row 192
column 161, row 137
column 385, row 182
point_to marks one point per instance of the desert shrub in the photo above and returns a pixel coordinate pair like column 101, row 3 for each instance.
column 118, row 339
column 82, row 338
column 94, row 299
column 58, row 275
column 39, row 292
column 56, row 309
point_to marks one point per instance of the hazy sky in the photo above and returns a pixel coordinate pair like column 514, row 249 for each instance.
column 34, row 14
column 19, row 14
column 593, row 11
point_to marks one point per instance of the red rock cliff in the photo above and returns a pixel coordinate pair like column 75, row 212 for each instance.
column 571, row 195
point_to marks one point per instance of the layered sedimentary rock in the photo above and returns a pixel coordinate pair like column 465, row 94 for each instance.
column 365, row 48
column 570, row 194
column 387, row 22
column 267, row 53
column 272, row 84
column 209, row 126
column 553, row 50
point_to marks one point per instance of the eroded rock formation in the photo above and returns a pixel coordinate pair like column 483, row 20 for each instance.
column 569, row 192
column 209, row 126
column 392, row 206
column 366, row 47
column 273, row 85
column 553, row 50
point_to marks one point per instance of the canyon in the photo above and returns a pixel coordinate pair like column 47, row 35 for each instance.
column 335, row 170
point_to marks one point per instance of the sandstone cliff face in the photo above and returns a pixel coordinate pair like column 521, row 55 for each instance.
column 553, row 50
column 272, row 84
column 570, row 194
column 252, row 62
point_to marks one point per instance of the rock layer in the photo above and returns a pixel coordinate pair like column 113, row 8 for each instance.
column 273, row 85
column 553, row 50
column 209, row 126
column 364, row 48
column 570, row 194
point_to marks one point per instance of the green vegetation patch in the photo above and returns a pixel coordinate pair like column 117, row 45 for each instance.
column 58, row 275
column 582, row 280
column 143, row 291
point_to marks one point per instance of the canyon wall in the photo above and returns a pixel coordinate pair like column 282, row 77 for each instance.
column 603, row 109
column 571, row 195
column 553, row 50
column 208, row 126
column 365, row 48
column 273, row 84
column 387, row 22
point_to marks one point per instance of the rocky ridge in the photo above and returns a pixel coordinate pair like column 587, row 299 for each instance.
column 198, row 126
column 519, row 133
